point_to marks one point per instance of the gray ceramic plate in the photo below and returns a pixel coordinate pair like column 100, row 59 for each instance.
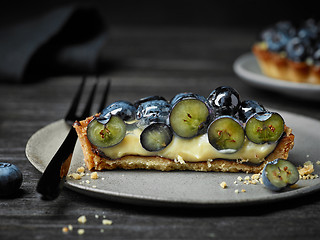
column 179, row 188
column 247, row 68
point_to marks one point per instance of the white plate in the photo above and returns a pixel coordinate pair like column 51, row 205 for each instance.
column 247, row 68
column 178, row 188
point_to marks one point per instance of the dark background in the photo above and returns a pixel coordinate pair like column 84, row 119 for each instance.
column 250, row 13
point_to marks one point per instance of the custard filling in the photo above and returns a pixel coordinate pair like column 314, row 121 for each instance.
column 197, row 149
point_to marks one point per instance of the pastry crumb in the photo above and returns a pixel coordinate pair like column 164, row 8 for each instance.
column 239, row 178
column 75, row 176
column 65, row 230
column 236, row 191
column 70, row 227
column 306, row 172
column 106, row 222
column 223, row 185
column 80, row 170
column 82, row 219
column 81, row 231
column 243, row 190
column 318, row 162
column 94, row 175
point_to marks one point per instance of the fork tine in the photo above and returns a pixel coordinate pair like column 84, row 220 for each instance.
column 75, row 102
column 87, row 108
column 105, row 96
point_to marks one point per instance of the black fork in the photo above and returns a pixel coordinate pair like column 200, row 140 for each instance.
column 51, row 182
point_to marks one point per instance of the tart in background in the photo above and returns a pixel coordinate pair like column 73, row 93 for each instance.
column 288, row 52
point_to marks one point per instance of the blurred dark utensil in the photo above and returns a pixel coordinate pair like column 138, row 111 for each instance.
column 52, row 180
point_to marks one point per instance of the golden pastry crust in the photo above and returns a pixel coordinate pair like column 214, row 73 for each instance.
column 277, row 66
column 95, row 162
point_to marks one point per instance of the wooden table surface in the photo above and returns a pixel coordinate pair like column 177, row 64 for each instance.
column 141, row 62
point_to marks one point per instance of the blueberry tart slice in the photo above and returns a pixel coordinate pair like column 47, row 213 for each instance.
column 190, row 132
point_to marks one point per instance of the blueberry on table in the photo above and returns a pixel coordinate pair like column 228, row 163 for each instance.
column 108, row 134
column 264, row 127
column 249, row 107
column 278, row 174
column 224, row 100
column 152, row 111
column 226, row 133
column 156, row 137
column 190, row 116
column 123, row 109
column 10, row 179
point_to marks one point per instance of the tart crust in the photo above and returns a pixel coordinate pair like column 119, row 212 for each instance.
column 277, row 66
column 94, row 161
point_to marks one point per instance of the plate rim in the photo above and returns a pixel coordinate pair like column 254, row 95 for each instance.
column 260, row 79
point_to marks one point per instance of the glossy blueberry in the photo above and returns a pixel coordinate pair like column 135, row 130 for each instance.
column 249, row 107
column 277, row 41
column 224, row 101
column 124, row 109
column 187, row 95
column 309, row 31
column 153, row 111
column 297, row 50
column 286, row 28
column 156, row 137
column 10, row 179
column 278, row 174
column 147, row 99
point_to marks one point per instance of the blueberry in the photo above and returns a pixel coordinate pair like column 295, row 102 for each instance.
column 309, row 31
column 224, row 101
column 277, row 41
column 124, row 109
column 286, row 28
column 106, row 134
column 266, row 34
column 152, row 111
column 264, row 127
column 297, row 50
column 190, row 115
column 249, row 107
column 10, row 179
column 156, row 137
column 147, row 99
column 278, row 174
column 226, row 134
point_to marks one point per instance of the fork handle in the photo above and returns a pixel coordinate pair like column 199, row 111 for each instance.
column 53, row 178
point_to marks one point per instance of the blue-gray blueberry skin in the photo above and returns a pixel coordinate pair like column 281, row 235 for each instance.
column 249, row 107
column 268, row 183
column 124, row 109
column 147, row 99
column 224, row 100
column 10, row 179
column 154, row 111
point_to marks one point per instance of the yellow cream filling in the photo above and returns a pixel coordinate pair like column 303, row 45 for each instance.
column 197, row 149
